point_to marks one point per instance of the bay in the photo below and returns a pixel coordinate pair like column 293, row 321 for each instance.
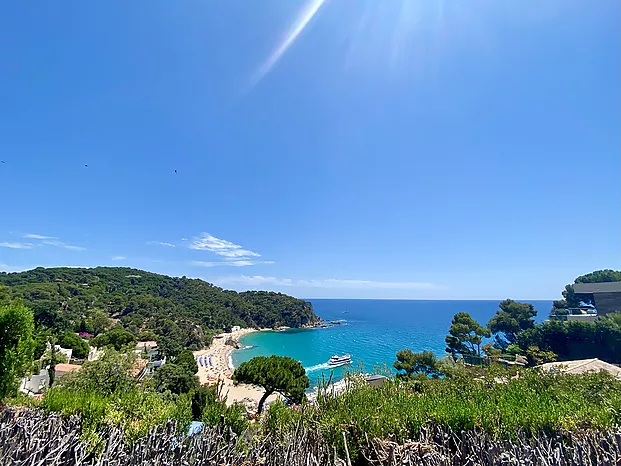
column 372, row 331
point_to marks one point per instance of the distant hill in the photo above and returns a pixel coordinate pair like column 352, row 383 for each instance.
column 184, row 311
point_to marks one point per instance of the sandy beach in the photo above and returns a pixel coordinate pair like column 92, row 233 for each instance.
column 214, row 364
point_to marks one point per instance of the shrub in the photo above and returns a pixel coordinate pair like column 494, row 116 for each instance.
column 118, row 338
column 175, row 378
column 218, row 413
column 186, row 360
column 78, row 345
column 494, row 403
column 135, row 410
column 209, row 407
column 107, row 375
column 280, row 419
column 16, row 345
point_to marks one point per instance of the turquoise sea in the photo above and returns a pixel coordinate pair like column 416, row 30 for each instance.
column 372, row 331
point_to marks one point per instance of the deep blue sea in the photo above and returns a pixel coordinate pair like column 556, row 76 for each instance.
column 372, row 331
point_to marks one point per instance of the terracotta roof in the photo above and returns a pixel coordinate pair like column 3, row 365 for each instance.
column 67, row 367
column 138, row 367
column 146, row 345
column 580, row 366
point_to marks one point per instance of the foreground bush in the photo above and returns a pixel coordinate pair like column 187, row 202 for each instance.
column 483, row 417
column 209, row 406
column 32, row 437
column 16, row 345
column 533, row 404
column 103, row 393
column 136, row 411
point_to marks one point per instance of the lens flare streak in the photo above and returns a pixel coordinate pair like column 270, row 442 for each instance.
column 305, row 16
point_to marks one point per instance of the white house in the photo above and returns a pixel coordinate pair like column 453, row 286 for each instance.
column 35, row 384
column 154, row 365
column 64, row 351
column 235, row 328
column 376, row 380
column 149, row 347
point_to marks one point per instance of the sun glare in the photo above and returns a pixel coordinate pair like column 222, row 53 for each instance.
column 401, row 37
column 303, row 18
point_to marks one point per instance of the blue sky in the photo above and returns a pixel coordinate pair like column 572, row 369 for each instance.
column 344, row 148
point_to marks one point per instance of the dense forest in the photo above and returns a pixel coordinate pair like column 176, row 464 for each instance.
column 178, row 312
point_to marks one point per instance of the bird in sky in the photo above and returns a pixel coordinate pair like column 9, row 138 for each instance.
column 175, row 171
column 85, row 165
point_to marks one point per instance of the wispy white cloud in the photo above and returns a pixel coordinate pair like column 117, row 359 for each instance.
column 233, row 254
column 260, row 281
column 237, row 263
column 162, row 243
column 33, row 236
column 6, row 244
column 119, row 258
column 254, row 281
column 60, row 244
column 230, row 263
column 12, row 268
column 222, row 247
column 42, row 240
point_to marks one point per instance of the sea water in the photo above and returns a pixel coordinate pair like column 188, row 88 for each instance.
column 371, row 331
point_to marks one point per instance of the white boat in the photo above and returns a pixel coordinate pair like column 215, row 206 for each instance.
column 339, row 360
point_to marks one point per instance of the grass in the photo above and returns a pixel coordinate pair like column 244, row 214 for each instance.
column 136, row 410
column 233, row 416
column 531, row 404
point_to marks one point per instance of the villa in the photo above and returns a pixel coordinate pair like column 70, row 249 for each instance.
column 66, row 352
column 35, row 384
column 148, row 347
column 582, row 366
column 605, row 297
column 582, row 313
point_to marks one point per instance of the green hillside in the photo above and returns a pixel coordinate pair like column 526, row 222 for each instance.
column 185, row 312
